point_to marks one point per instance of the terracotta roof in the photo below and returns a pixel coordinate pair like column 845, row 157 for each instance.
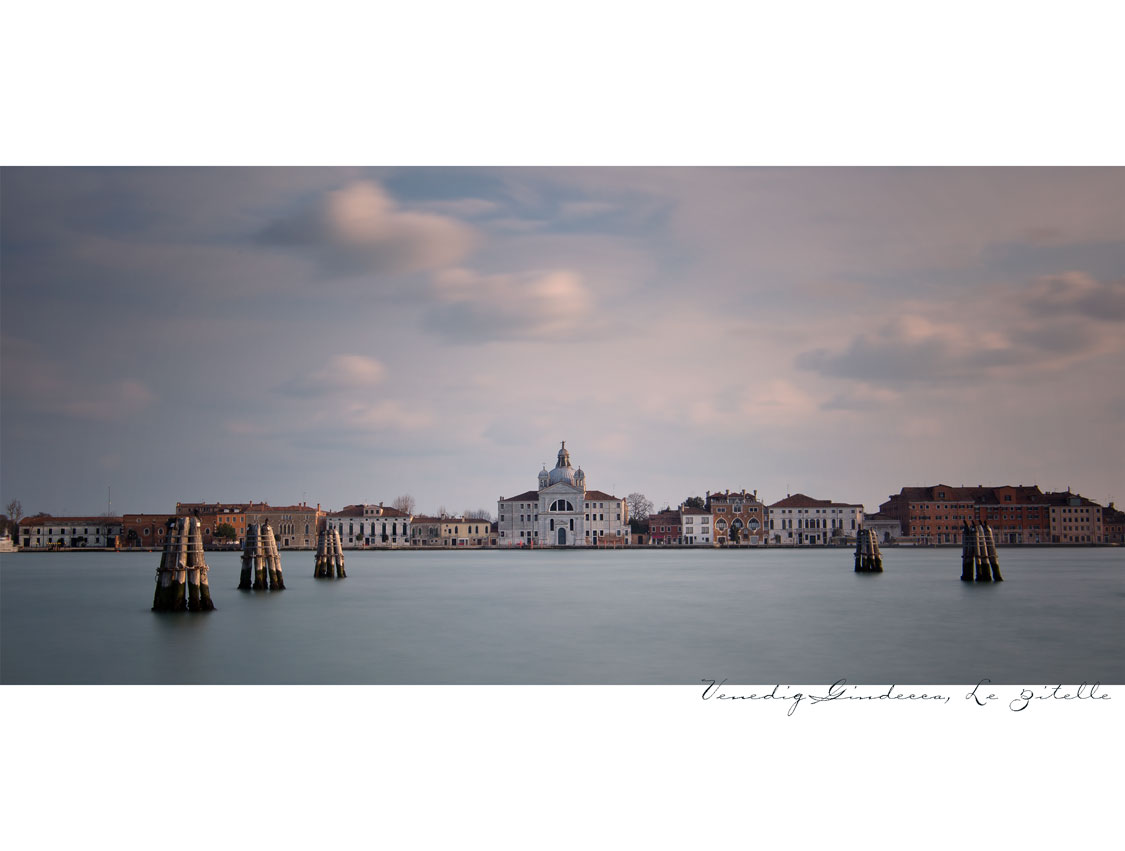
column 980, row 495
column 423, row 518
column 347, row 511
column 601, row 495
column 48, row 520
column 1064, row 498
column 799, row 500
column 213, row 507
column 526, row 496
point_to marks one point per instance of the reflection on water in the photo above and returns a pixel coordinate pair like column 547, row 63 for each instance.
column 573, row 617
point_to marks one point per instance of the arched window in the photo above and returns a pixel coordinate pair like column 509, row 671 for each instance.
column 753, row 524
column 561, row 505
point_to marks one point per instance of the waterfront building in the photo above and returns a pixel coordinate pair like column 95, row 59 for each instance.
column 425, row 531
column 800, row 520
column 465, row 532
column 931, row 515
column 561, row 512
column 45, row 532
column 1113, row 525
column 144, row 530
column 1075, row 519
column 664, row 528
column 1018, row 514
column 695, row 525
column 370, row 526
column 886, row 529
column 737, row 517
column 294, row 526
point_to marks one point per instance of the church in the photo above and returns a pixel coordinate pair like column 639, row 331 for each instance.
column 562, row 513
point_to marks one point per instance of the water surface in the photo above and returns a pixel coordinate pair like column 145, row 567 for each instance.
column 633, row 617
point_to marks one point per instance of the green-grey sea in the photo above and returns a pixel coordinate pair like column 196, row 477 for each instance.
column 575, row 617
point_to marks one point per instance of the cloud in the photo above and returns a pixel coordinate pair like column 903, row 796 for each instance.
column 342, row 374
column 460, row 207
column 911, row 348
column 549, row 305
column 1052, row 323
column 361, row 230
column 45, row 385
column 1074, row 293
column 585, row 209
column 386, row 414
column 117, row 400
column 861, row 398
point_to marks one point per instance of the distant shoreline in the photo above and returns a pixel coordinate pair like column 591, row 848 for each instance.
column 642, row 548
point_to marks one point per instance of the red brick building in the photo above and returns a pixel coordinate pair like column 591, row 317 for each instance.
column 1113, row 525
column 144, row 530
column 737, row 517
column 932, row 515
column 1018, row 514
column 664, row 528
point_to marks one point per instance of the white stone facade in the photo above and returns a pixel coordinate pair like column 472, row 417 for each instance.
column 695, row 527
column 562, row 513
column 363, row 526
column 70, row 532
column 800, row 520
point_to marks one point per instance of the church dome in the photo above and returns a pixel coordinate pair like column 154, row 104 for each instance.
column 563, row 472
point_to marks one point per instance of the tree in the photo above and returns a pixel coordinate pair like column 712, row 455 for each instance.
column 226, row 532
column 639, row 507
column 404, row 503
column 478, row 514
column 694, row 502
column 15, row 514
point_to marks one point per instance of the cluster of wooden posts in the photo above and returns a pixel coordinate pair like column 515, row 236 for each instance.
column 261, row 562
column 868, row 559
column 329, row 554
column 181, row 579
column 978, row 554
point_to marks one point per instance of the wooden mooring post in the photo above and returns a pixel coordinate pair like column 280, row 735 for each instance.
column 261, row 562
column 978, row 554
column 868, row 559
column 182, row 569
column 329, row 555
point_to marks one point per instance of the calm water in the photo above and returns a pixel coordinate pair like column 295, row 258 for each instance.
column 573, row 617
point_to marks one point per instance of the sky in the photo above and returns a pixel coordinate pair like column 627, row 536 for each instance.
column 345, row 335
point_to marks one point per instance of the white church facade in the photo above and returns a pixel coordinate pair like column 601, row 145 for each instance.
column 562, row 513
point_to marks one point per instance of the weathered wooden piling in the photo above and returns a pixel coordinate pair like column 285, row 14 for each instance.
column 261, row 562
column 182, row 569
column 993, row 562
column 273, row 558
column 868, row 559
column 978, row 554
column 329, row 554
